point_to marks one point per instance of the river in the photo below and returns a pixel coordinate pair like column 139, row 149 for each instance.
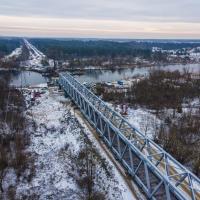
column 95, row 76
column 27, row 78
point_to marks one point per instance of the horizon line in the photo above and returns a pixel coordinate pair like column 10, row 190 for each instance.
column 97, row 38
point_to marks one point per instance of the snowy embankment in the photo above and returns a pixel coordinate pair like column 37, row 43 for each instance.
column 35, row 56
column 13, row 55
column 57, row 137
column 37, row 60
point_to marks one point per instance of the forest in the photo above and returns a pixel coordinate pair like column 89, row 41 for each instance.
column 7, row 45
column 58, row 49
column 65, row 49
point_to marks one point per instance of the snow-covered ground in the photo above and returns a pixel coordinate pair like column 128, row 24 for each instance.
column 57, row 134
column 35, row 51
column 14, row 54
column 193, row 54
column 36, row 58
column 143, row 120
column 36, row 61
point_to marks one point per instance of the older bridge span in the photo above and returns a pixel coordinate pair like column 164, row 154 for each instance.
column 156, row 172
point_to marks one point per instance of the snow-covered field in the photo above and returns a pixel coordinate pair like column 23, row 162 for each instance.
column 143, row 120
column 57, row 133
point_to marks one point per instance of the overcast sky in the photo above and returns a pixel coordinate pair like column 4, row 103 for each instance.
column 101, row 18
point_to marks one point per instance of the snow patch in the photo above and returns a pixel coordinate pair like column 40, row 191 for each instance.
column 14, row 54
column 58, row 131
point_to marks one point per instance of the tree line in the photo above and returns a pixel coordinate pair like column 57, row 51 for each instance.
column 65, row 49
column 14, row 140
column 8, row 45
column 160, row 90
column 62, row 49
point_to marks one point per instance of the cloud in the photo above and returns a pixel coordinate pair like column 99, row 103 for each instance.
column 73, row 27
column 147, row 10
column 168, row 13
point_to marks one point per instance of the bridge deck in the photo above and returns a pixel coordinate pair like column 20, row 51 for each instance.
column 158, row 174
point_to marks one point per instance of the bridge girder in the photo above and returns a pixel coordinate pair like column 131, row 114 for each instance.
column 156, row 172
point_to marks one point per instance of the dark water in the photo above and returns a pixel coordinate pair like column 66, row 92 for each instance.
column 195, row 68
column 95, row 76
column 25, row 78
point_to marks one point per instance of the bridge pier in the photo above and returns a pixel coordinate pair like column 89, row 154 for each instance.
column 66, row 95
column 60, row 87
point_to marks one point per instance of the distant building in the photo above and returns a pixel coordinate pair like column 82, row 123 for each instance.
column 195, row 76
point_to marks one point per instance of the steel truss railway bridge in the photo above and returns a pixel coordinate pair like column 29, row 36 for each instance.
column 155, row 171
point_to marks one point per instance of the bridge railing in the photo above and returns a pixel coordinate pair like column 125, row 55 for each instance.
column 167, row 174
